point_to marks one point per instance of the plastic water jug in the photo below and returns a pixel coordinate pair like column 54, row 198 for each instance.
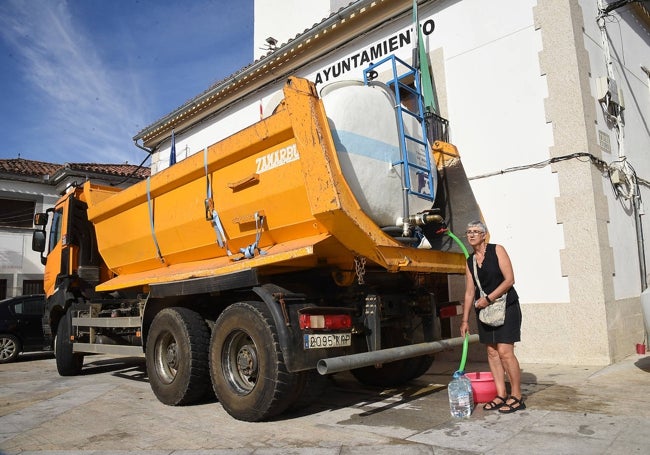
column 461, row 398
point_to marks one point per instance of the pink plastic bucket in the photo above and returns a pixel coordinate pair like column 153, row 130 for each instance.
column 483, row 386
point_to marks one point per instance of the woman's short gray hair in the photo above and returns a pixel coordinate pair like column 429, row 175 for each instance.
column 477, row 224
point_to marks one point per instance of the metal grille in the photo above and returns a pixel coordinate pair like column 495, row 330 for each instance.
column 32, row 287
column 437, row 127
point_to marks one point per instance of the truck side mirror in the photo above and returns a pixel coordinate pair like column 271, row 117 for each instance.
column 38, row 244
column 38, row 241
column 40, row 219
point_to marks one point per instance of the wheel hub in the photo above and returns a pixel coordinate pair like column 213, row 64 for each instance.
column 247, row 362
column 7, row 348
column 171, row 356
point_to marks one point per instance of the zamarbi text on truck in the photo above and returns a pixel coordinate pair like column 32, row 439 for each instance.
column 315, row 241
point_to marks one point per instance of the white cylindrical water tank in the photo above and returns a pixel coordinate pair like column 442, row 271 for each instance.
column 366, row 134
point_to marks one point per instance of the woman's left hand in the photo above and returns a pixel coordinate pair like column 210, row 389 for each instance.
column 481, row 303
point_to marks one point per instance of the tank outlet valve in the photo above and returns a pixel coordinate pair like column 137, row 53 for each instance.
column 420, row 219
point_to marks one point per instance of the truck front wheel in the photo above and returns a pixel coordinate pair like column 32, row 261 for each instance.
column 177, row 356
column 68, row 363
column 248, row 372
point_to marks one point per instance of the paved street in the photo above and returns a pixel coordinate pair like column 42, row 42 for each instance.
column 111, row 409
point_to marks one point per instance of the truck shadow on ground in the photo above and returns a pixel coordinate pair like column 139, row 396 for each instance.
column 132, row 368
column 341, row 390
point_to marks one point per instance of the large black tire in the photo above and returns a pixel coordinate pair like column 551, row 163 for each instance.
column 177, row 356
column 422, row 365
column 9, row 348
column 68, row 363
column 249, row 375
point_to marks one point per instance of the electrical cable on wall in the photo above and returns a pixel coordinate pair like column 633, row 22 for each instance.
column 621, row 174
column 624, row 179
column 625, row 185
column 600, row 164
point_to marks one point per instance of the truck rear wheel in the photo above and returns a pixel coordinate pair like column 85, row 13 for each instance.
column 68, row 363
column 421, row 365
column 248, row 372
column 177, row 356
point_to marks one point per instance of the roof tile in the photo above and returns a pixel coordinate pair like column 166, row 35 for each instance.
column 28, row 167
column 21, row 166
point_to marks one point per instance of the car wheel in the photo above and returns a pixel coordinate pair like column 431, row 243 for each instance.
column 9, row 348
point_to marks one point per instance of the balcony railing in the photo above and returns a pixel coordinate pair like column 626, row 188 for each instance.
column 437, row 127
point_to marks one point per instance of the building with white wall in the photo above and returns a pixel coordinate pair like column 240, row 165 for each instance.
column 548, row 102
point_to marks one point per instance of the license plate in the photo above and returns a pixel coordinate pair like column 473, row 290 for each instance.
column 327, row 340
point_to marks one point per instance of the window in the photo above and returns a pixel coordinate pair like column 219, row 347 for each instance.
column 29, row 307
column 3, row 289
column 32, row 287
column 15, row 213
column 55, row 230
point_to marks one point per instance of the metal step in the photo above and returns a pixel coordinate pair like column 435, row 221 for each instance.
column 112, row 349
column 107, row 322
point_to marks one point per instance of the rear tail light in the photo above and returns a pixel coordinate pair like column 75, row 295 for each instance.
column 325, row 321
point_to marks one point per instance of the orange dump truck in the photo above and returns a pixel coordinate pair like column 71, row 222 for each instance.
column 237, row 269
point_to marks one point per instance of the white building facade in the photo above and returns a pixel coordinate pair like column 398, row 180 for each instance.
column 21, row 271
column 548, row 102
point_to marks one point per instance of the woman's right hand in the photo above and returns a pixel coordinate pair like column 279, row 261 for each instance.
column 464, row 328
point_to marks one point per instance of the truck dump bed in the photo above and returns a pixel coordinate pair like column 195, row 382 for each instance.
column 271, row 197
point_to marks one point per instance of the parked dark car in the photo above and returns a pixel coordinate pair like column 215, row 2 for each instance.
column 21, row 326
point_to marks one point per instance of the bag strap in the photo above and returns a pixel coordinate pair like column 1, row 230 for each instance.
column 478, row 282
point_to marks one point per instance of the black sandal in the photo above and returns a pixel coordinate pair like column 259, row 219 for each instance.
column 511, row 406
column 492, row 405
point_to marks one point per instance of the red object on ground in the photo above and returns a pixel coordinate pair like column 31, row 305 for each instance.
column 483, row 386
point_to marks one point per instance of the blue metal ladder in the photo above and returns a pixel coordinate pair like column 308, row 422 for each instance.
column 417, row 177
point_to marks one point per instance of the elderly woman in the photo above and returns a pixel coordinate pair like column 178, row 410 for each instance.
column 496, row 278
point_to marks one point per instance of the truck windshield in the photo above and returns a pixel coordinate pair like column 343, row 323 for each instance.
column 55, row 230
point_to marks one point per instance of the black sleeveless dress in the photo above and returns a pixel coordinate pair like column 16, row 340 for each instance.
column 490, row 275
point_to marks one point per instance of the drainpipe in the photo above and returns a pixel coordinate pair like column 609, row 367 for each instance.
column 149, row 151
column 638, row 211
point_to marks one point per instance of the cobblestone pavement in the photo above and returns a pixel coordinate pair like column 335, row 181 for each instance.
column 110, row 409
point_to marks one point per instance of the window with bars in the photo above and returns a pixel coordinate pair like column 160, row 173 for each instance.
column 32, row 287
